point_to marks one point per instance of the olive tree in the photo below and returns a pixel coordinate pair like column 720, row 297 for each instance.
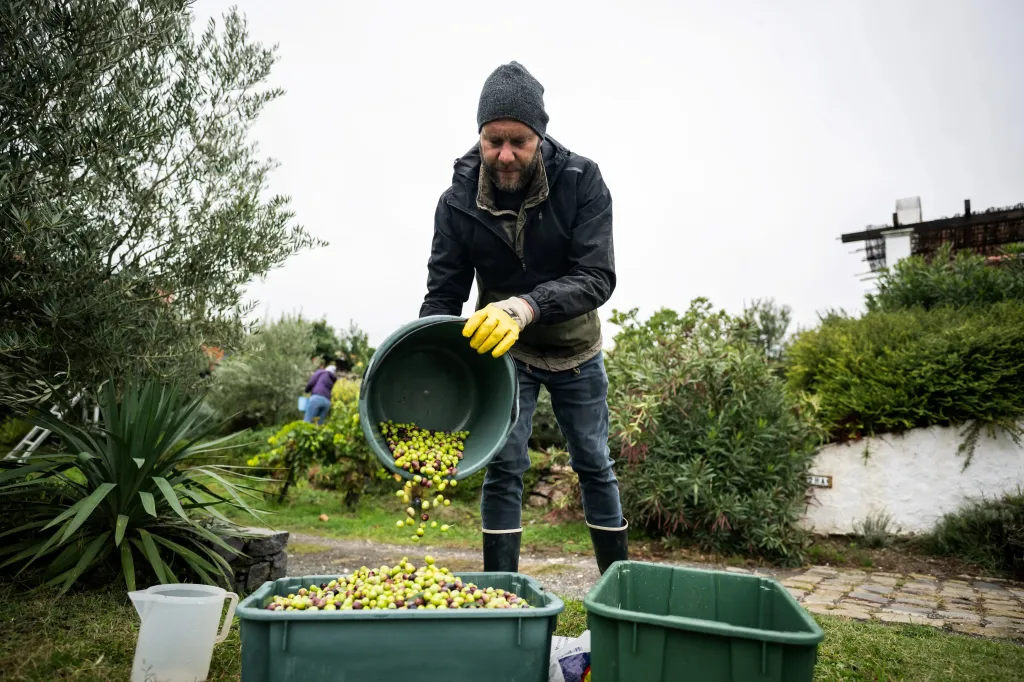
column 260, row 383
column 133, row 203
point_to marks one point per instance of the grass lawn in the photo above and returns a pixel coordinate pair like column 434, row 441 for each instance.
column 90, row 637
column 375, row 516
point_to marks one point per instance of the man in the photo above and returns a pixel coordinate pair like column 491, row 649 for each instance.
column 533, row 221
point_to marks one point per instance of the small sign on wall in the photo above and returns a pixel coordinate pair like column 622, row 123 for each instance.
column 817, row 481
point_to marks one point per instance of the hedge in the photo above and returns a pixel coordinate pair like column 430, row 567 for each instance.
column 893, row 371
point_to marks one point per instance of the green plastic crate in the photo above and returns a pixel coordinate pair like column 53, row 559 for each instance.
column 461, row 645
column 653, row 623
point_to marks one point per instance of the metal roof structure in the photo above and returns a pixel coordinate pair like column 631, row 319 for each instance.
column 984, row 233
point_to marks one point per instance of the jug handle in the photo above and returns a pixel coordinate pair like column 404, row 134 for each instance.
column 226, row 627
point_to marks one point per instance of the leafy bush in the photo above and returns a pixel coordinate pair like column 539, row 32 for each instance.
column 710, row 445
column 893, row 371
column 546, row 432
column 876, row 530
column 764, row 324
column 244, row 445
column 989, row 532
column 354, row 344
column 262, row 383
column 125, row 494
column 334, row 455
column 965, row 279
column 12, row 430
column 350, row 350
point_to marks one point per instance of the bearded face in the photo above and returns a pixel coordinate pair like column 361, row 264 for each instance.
column 510, row 152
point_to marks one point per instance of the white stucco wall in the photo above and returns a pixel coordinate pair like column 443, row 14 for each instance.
column 915, row 477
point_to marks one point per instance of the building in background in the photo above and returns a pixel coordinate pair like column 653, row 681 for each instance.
column 985, row 233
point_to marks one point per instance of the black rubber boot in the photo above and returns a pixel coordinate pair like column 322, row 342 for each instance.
column 609, row 545
column 501, row 551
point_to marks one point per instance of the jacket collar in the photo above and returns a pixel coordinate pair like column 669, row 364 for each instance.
column 466, row 178
column 536, row 193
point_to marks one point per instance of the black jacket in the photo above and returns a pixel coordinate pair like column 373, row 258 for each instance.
column 567, row 265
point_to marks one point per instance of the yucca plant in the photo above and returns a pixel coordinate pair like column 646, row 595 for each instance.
column 125, row 495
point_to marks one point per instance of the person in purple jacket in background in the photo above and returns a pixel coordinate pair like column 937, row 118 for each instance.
column 320, row 385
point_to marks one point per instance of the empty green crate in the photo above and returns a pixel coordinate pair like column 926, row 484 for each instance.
column 459, row 645
column 652, row 623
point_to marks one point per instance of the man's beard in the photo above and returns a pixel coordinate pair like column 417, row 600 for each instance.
column 522, row 179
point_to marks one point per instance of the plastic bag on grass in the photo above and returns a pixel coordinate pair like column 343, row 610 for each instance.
column 570, row 659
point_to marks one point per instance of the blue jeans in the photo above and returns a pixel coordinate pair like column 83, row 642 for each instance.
column 317, row 408
column 580, row 401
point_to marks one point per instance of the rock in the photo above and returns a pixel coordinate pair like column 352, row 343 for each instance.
column 915, row 600
column 877, row 589
column 279, row 566
column 850, row 612
column 822, row 571
column 235, row 543
column 891, row 617
column 538, row 500
column 920, row 587
column 258, row 574
column 547, row 492
column 913, row 610
column 988, row 587
column 1011, row 623
column 880, row 579
column 870, row 597
column 1005, row 613
column 888, row 617
column 798, row 585
column 969, row 629
column 238, row 585
column 820, row 609
column 961, row 616
column 1001, row 633
column 265, row 542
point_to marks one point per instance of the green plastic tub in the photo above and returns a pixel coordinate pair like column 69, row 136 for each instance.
column 427, row 374
column 399, row 646
column 652, row 623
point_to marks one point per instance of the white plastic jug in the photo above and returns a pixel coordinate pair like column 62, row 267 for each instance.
column 179, row 629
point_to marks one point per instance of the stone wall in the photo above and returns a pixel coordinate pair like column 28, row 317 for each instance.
column 264, row 556
column 914, row 477
column 553, row 486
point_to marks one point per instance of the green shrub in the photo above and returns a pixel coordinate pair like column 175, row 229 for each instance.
column 989, row 532
column 261, row 384
column 965, row 279
column 876, row 530
column 546, row 432
column 893, row 371
column 710, row 446
column 126, row 499
column 332, row 456
column 12, row 430
column 243, row 446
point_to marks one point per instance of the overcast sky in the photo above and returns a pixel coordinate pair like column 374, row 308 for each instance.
column 738, row 139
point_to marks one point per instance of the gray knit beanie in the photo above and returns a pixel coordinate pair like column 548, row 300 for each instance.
column 512, row 92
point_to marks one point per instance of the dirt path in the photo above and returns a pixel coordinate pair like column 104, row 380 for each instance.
column 985, row 607
column 568, row 575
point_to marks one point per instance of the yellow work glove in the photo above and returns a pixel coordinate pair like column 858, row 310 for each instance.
column 496, row 327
